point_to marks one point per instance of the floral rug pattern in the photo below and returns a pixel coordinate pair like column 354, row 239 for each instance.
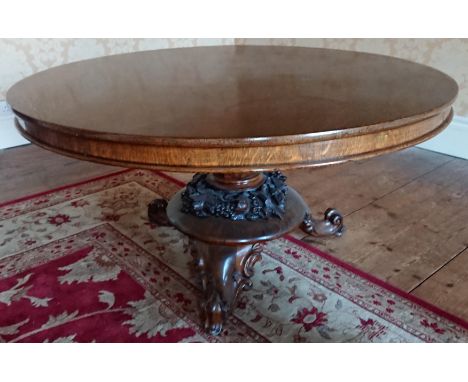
column 83, row 264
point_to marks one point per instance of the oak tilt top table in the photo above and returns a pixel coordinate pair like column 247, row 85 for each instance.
column 236, row 116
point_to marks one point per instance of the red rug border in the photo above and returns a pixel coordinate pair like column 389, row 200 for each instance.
column 318, row 252
column 426, row 305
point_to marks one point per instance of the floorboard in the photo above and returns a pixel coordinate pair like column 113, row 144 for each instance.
column 408, row 233
column 28, row 169
column 448, row 287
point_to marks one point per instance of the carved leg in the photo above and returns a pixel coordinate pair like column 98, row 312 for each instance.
column 224, row 271
column 157, row 212
column 331, row 225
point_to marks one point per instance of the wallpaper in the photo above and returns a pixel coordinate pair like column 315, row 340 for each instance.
column 447, row 55
column 22, row 57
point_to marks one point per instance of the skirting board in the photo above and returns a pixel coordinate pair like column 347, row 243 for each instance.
column 452, row 141
column 9, row 137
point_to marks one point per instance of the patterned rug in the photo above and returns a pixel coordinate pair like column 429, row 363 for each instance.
column 82, row 264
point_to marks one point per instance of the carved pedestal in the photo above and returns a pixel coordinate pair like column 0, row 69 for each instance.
column 226, row 216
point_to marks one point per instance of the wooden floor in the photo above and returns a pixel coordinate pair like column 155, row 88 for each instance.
column 406, row 213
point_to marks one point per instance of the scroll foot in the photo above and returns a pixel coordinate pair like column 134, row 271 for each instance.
column 157, row 212
column 331, row 225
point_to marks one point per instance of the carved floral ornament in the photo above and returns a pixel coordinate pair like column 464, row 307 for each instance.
column 268, row 200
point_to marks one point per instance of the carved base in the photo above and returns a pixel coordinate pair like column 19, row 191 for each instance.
column 330, row 225
column 226, row 216
column 224, row 271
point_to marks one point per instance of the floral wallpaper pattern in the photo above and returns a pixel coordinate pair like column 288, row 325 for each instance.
column 22, row 57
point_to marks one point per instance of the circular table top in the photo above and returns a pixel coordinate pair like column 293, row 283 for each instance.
column 232, row 108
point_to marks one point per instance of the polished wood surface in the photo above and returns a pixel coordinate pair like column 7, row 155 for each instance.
column 438, row 276
column 231, row 109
